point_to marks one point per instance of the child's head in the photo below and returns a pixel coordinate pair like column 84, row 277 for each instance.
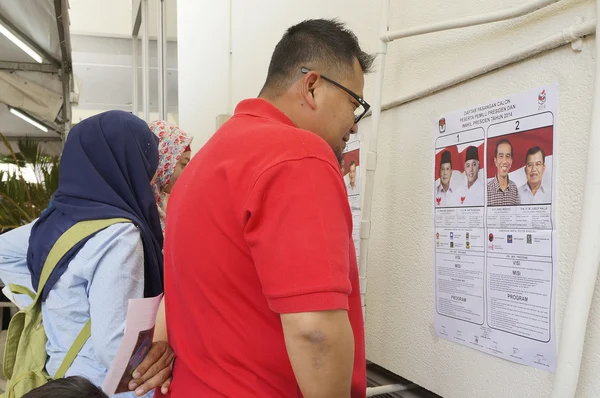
column 69, row 387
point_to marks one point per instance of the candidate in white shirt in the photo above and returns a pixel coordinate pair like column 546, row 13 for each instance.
column 533, row 191
column 352, row 185
column 473, row 192
column 445, row 194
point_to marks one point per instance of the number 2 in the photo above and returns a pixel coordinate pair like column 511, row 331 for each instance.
column 517, row 126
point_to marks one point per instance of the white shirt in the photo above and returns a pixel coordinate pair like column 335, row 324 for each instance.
column 541, row 196
column 475, row 195
column 447, row 198
column 352, row 191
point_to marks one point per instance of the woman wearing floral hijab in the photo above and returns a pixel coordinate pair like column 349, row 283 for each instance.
column 174, row 154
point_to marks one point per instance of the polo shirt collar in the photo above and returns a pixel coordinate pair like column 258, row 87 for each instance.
column 262, row 108
column 497, row 184
column 440, row 189
column 540, row 189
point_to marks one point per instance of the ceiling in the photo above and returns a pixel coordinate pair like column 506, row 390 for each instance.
column 11, row 52
column 102, row 57
column 37, row 21
column 113, row 18
column 13, row 127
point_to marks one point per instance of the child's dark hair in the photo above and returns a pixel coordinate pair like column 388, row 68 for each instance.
column 69, row 387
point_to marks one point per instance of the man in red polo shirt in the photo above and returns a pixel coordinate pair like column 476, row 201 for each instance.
column 261, row 281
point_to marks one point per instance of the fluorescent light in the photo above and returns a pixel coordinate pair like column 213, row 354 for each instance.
column 21, row 44
column 29, row 120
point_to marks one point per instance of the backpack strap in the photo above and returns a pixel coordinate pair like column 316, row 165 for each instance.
column 70, row 238
column 18, row 289
column 66, row 241
column 78, row 344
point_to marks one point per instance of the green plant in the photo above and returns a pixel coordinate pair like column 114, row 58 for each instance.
column 22, row 201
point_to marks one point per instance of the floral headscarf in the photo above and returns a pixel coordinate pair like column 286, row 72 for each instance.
column 173, row 143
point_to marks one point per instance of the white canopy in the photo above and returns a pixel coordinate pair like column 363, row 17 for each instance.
column 40, row 90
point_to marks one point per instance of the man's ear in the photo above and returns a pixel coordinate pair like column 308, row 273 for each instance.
column 309, row 83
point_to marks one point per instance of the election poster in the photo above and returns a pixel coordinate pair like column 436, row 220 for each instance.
column 494, row 232
column 351, row 170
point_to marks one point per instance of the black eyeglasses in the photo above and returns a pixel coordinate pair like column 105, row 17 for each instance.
column 363, row 106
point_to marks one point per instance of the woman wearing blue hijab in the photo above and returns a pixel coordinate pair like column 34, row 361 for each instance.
column 106, row 168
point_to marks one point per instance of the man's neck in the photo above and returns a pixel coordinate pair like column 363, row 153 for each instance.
column 282, row 103
column 446, row 187
column 470, row 184
column 503, row 181
column 534, row 188
column 352, row 184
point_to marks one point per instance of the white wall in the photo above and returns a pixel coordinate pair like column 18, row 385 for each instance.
column 102, row 67
column 101, row 18
column 203, row 58
column 400, row 302
column 257, row 27
column 102, row 57
column 113, row 18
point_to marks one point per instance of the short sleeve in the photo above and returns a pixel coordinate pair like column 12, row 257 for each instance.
column 299, row 230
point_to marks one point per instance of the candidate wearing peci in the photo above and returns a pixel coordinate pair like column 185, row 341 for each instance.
column 473, row 193
column 534, row 191
column 445, row 195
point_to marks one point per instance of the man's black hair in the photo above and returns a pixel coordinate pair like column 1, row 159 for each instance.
column 352, row 163
column 533, row 151
column 503, row 141
column 324, row 45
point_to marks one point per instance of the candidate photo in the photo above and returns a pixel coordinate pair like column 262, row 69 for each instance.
column 521, row 164
column 501, row 190
column 533, row 191
column 459, row 176
column 448, row 180
column 350, row 172
column 473, row 191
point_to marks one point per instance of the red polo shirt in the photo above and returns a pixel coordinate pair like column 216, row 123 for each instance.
column 258, row 225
